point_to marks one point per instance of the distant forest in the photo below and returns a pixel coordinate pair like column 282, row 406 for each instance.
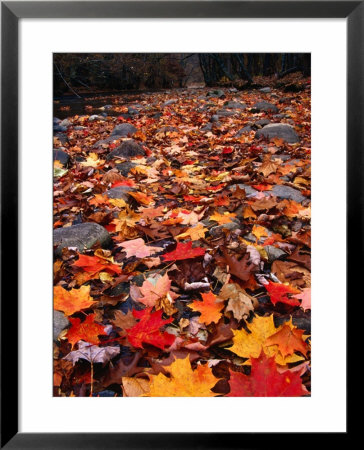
column 79, row 73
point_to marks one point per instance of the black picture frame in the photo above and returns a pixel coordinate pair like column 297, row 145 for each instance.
column 11, row 12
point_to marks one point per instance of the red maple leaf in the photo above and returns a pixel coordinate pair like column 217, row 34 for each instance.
column 88, row 330
column 94, row 264
column 147, row 330
column 265, row 381
column 184, row 251
column 227, row 150
column 278, row 293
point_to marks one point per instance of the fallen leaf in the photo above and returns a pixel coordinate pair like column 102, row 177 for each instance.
column 72, row 301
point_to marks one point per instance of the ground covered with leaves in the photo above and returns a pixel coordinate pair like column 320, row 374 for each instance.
column 182, row 245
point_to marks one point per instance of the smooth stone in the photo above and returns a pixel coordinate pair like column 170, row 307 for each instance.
column 215, row 118
column 234, row 105
column 59, row 128
column 246, row 129
column 127, row 149
column 125, row 167
column 216, row 93
column 215, row 231
column 65, row 123
column 56, row 121
column 95, row 117
column 274, row 253
column 283, row 157
column 262, row 122
column 60, row 322
column 167, row 129
column 120, row 192
column 265, row 106
column 279, row 190
column 124, row 129
column 279, row 130
column 61, row 156
column 265, row 90
column 82, row 236
column 169, row 102
column 250, row 192
column 62, row 137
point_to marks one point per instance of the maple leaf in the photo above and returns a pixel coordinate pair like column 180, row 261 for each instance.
column 288, row 340
column 142, row 198
column 265, row 381
column 195, row 233
column 241, row 269
column 305, row 297
column 240, row 303
column 92, row 353
column 154, row 290
column 183, row 381
column 88, row 330
column 249, row 345
column 135, row 387
column 122, row 320
column 210, row 308
column 99, row 199
column 278, row 293
column 94, row 264
column 259, row 231
column 138, row 248
column 268, row 167
column 92, row 161
column 183, row 251
column 72, row 301
column 147, row 330
column 222, row 218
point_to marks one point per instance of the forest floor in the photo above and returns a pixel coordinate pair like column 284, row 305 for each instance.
column 182, row 245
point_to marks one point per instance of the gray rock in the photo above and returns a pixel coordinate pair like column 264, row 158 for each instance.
column 246, row 129
column 79, row 127
column 62, row 137
column 250, row 192
column 82, row 236
column 61, row 156
column 262, row 122
column 125, row 167
column 95, row 117
column 265, row 106
column 265, row 90
column 216, row 93
column 279, row 130
column 169, row 102
column 279, row 116
column 60, row 322
column 207, row 127
column 215, row 118
column 65, row 123
column 234, row 105
column 283, row 157
column 127, row 149
column 56, row 120
column 167, row 129
column 215, row 231
column 226, row 113
column 108, row 107
column 59, row 128
column 274, row 253
column 288, row 192
column 120, row 192
column 124, row 129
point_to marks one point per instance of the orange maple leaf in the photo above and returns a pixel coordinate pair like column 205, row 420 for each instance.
column 288, row 341
column 72, row 301
column 142, row 198
column 153, row 292
column 209, row 308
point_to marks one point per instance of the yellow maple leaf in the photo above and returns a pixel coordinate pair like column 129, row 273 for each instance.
column 248, row 345
column 222, row 218
column 194, row 233
column 183, row 381
column 92, row 161
column 72, row 301
column 259, row 231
